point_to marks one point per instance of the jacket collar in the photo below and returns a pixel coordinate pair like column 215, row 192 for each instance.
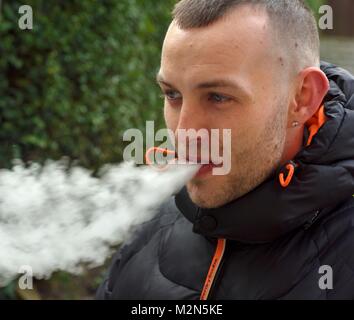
column 324, row 177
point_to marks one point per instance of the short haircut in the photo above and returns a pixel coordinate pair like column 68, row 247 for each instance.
column 292, row 21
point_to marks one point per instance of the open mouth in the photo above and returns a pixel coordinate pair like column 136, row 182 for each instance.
column 207, row 169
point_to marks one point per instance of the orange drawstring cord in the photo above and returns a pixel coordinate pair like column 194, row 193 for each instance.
column 314, row 124
column 156, row 149
column 285, row 182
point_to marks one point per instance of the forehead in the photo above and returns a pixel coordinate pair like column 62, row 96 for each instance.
column 241, row 39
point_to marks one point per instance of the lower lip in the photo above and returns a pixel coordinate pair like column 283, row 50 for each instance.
column 205, row 169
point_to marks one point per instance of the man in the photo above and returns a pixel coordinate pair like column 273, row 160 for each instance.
column 280, row 224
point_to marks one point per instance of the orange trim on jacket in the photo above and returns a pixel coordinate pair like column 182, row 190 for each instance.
column 215, row 264
column 315, row 123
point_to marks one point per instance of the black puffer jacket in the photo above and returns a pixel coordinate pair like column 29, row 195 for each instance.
column 276, row 239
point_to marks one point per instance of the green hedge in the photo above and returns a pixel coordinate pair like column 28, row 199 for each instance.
column 315, row 4
column 83, row 75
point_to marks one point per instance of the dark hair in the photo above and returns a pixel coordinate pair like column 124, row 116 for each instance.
column 292, row 20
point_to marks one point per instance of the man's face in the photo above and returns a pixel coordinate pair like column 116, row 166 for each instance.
column 226, row 76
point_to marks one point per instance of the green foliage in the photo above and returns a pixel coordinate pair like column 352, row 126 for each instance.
column 8, row 292
column 315, row 4
column 83, row 75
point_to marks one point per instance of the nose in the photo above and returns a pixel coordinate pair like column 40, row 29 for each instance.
column 192, row 116
column 192, row 133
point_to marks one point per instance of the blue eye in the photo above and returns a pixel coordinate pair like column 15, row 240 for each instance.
column 172, row 95
column 218, row 98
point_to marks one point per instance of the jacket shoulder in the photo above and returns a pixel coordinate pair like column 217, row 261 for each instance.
column 335, row 242
column 166, row 215
column 142, row 234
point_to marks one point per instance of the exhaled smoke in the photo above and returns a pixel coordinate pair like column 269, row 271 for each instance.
column 54, row 218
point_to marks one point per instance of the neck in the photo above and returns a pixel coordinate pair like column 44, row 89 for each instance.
column 293, row 144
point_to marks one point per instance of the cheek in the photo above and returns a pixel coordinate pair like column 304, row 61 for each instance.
column 245, row 130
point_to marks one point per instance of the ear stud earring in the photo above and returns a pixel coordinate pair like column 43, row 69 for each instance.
column 295, row 124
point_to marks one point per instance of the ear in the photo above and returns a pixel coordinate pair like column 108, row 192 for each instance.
column 312, row 86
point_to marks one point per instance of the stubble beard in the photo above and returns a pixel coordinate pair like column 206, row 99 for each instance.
column 251, row 166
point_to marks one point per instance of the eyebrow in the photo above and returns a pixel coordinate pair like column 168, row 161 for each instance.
column 160, row 79
column 218, row 83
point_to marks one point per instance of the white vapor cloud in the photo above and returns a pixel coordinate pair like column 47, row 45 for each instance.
column 54, row 218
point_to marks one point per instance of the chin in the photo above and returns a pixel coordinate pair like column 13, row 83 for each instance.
column 204, row 195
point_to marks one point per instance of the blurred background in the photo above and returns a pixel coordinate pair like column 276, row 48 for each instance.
column 85, row 74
